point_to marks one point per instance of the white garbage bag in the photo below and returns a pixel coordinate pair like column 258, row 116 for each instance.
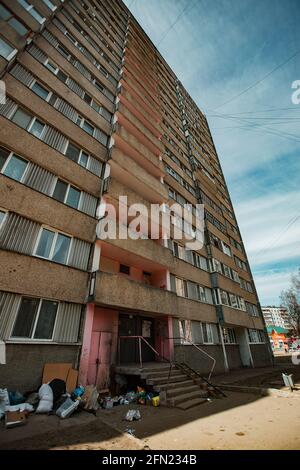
column 46, row 399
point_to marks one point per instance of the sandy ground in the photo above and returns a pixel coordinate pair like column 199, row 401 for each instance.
column 240, row 421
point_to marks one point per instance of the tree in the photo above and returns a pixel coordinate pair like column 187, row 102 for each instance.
column 290, row 299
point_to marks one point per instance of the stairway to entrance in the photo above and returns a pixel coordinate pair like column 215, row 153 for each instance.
column 178, row 385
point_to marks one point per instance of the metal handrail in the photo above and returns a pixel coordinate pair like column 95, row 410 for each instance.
column 201, row 350
column 140, row 338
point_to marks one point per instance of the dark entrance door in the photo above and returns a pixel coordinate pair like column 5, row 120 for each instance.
column 134, row 325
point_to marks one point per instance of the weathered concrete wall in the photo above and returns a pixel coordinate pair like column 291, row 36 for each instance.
column 233, row 356
column 199, row 361
column 24, row 366
column 260, row 355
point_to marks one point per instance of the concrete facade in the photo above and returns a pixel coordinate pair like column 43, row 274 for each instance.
column 93, row 113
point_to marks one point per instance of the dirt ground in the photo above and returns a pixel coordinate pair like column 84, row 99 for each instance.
column 240, row 421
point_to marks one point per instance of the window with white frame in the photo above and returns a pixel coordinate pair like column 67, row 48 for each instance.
column 54, row 246
column 207, row 333
column 10, row 19
column 201, row 293
column 12, row 165
column 50, row 5
column 229, row 336
column 40, row 90
column 256, row 336
column 66, row 193
column 85, row 125
column 181, row 287
column 29, row 122
column 35, row 319
column 226, row 248
column 77, row 155
column 224, row 297
column 32, row 11
column 6, row 50
column 233, row 301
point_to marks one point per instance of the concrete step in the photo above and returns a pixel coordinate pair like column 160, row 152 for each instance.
column 186, row 397
column 172, row 385
column 163, row 373
column 191, row 403
column 164, row 380
column 174, row 392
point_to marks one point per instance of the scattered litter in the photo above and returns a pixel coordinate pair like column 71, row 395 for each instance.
column 67, row 408
column 130, row 431
column 132, row 415
column 15, row 398
column 90, row 398
column 33, row 399
column 21, row 407
column 58, row 387
column 78, row 392
column 46, row 399
column 4, row 401
column 15, row 418
column 108, row 403
column 155, row 401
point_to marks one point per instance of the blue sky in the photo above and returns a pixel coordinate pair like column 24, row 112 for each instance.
column 218, row 48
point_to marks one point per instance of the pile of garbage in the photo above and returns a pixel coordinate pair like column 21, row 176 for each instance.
column 51, row 398
column 141, row 397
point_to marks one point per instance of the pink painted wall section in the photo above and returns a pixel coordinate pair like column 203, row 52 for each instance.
column 86, row 344
column 103, row 348
column 163, row 337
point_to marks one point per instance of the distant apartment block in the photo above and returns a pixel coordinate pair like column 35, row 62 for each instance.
column 92, row 112
column 276, row 316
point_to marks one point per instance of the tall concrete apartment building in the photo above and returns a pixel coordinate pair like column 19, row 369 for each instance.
column 276, row 316
column 92, row 112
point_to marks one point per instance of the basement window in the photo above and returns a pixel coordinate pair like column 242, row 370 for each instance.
column 124, row 269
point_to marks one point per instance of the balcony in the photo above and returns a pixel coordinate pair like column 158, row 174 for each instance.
column 236, row 317
column 118, row 291
column 134, row 176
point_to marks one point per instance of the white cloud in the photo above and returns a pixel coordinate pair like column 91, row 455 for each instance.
column 270, row 284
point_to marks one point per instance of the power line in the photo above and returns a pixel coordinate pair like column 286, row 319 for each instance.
column 164, row 35
column 258, row 81
column 292, row 221
column 267, row 130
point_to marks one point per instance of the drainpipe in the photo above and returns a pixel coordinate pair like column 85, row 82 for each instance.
column 224, row 349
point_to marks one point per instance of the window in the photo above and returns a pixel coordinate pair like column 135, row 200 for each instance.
column 77, row 155
column 181, row 287
column 37, row 128
column 50, row 5
column 4, row 154
column 224, row 297
column 85, row 125
column 66, row 193
column 6, row 50
column 54, row 246
column 35, row 319
column 256, row 336
column 201, row 293
column 124, row 269
column 229, row 336
column 21, row 118
column 207, row 333
column 52, row 67
column 40, row 91
column 233, row 301
column 226, row 249
column 7, row 16
column 32, row 11
column 73, row 152
column 15, row 167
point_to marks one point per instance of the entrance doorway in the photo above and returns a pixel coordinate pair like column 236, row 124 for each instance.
column 135, row 325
